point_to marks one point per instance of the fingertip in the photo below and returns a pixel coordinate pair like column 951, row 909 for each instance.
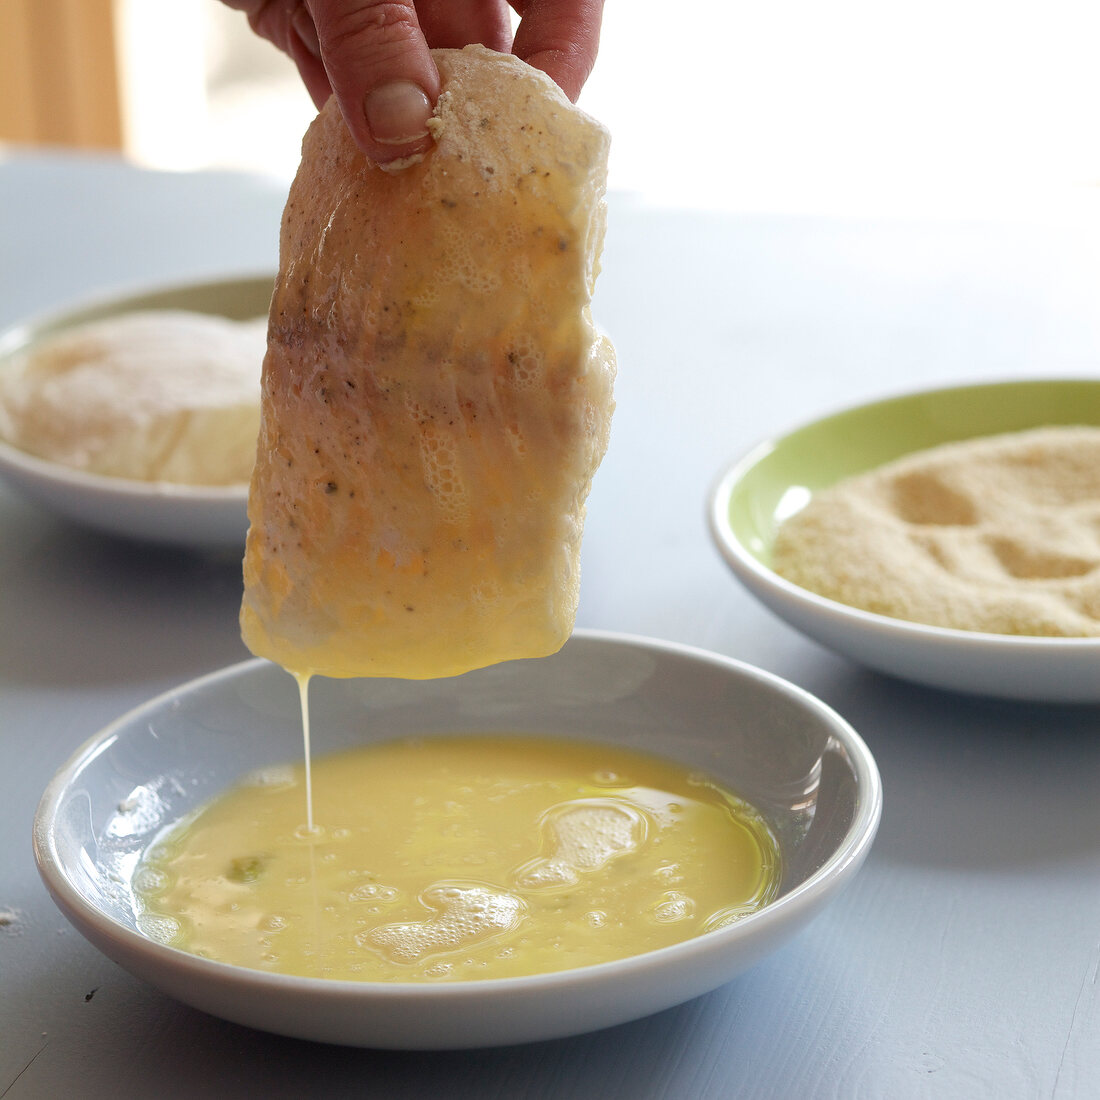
column 382, row 73
column 562, row 38
column 301, row 23
column 397, row 113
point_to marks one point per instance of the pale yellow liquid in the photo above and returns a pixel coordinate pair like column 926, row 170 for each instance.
column 458, row 858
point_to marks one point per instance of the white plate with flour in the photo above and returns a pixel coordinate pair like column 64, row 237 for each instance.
column 778, row 477
column 208, row 516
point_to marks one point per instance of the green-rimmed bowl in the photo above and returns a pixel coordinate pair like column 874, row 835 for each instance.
column 777, row 477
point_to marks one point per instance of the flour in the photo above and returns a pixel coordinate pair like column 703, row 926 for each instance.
column 999, row 534
column 158, row 395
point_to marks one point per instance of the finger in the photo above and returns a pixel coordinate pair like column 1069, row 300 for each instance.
column 452, row 24
column 381, row 72
column 305, row 49
column 561, row 37
column 288, row 25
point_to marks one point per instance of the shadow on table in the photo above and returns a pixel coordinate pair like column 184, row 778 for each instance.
column 972, row 782
column 80, row 608
column 149, row 1044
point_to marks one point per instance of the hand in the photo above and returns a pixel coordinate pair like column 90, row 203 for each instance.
column 373, row 55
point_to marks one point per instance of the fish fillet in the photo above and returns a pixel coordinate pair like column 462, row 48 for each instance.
column 436, row 398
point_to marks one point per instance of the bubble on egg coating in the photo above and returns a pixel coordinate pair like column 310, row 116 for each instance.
column 673, row 906
column 460, row 265
column 722, row 918
column 463, row 914
column 373, row 891
column 159, row 927
column 526, row 361
column 151, row 880
column 441, row 472
column 579, row 837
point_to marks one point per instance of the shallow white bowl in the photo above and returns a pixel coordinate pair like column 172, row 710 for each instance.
column 151, row 511
column 760, row 490
column 771, row 742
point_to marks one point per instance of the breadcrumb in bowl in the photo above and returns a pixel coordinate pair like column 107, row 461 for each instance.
column 777, row 478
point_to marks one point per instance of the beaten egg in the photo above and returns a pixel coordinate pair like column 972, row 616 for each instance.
column 458, row 858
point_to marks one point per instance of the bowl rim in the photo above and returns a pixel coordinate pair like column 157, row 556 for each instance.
column 80, row 308
column 747, row 565
column 797, row 905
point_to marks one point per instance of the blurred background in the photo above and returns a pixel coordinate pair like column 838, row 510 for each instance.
column 943, row 107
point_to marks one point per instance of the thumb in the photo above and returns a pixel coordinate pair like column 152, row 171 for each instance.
column 381, row 73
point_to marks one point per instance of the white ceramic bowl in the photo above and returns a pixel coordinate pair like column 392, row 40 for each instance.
column 777, row 477
column 151, row 511
column 774, row 744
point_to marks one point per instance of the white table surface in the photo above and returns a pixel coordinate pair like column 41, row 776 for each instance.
column 965, row 959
